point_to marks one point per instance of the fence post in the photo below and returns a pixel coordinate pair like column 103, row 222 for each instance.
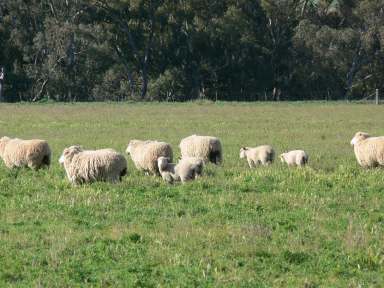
column 377, row 97
column 2, row 76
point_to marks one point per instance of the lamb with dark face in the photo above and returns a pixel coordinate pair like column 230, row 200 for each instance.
column 86, row 166
column 369, row 151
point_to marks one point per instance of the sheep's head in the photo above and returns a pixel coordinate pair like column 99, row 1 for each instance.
column 131, row 144
column 162, row 162
column 282, row 157
column 243, row 152
column 69, row 152
column 359, row 136
column 3, row 141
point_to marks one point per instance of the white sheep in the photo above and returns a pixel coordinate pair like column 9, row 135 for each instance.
column 167, row 169
column 86, row 166
column 197, row 164
column 260, row 155
column 206, row 147
column 144, row 154
column 295, row 158
column 187, row 169
column 369, row 151
column 25, row 153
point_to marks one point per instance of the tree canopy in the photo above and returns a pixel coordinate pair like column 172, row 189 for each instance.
column 177, row 50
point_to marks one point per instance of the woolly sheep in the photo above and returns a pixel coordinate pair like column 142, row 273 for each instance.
column 206, row 147
column 263, row 155
column 25, row 153
column 369, row 151
column 197, row 164
column 167, row 169
column 86, row 166
column 144, row 154
column 187, row 169
column 295, row 158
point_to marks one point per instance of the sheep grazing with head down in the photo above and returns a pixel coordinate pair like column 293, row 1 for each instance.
column 295, row 158
column 187, row 169
column 25, row 153
column 144, row 154
column 207, row 148
column 167, row 169
column 86, row 166
column 260, row 155
column 369, row 151
column 195, row 162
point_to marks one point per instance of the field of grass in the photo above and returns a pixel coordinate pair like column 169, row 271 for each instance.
column 320, row 226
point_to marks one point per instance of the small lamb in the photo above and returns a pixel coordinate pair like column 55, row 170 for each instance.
column 295, row 158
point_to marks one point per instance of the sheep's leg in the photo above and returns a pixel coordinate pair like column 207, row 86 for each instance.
column 9, row 165
column 263, row 162
column 33, row 165
column 251, row 163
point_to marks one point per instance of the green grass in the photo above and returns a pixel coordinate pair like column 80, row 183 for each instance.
column 321, row 226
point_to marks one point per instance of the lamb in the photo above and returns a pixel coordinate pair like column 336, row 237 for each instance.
column 369, row 151
column 187, row 169
column 196, row 162
column 144, row 154
column 295, row 158
column 34, row 154
column 86, row 166
column 167, row 169
column 263, row 155
column 206, row 147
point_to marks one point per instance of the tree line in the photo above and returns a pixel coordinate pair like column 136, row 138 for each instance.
column 177, row 50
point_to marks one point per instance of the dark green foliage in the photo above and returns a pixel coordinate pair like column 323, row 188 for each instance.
column 85, row 50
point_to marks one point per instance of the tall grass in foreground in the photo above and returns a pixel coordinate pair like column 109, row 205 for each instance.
column 321, row 226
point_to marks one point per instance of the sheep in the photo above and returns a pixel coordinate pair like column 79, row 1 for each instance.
column 187, row 169
column 295, row 158
column 206, row 147
column 86, row 166
column 34, row 154
column 263, row 155
column 144, row 154
column 369, row 151
column 198, row 164
column 167, row 169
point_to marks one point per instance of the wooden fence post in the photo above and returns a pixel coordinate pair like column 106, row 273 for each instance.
column 377, row 97
column 2, row 76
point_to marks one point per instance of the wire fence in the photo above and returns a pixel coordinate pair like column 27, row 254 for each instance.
column 374, row 97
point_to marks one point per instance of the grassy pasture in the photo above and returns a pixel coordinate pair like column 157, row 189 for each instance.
column 321, row 226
